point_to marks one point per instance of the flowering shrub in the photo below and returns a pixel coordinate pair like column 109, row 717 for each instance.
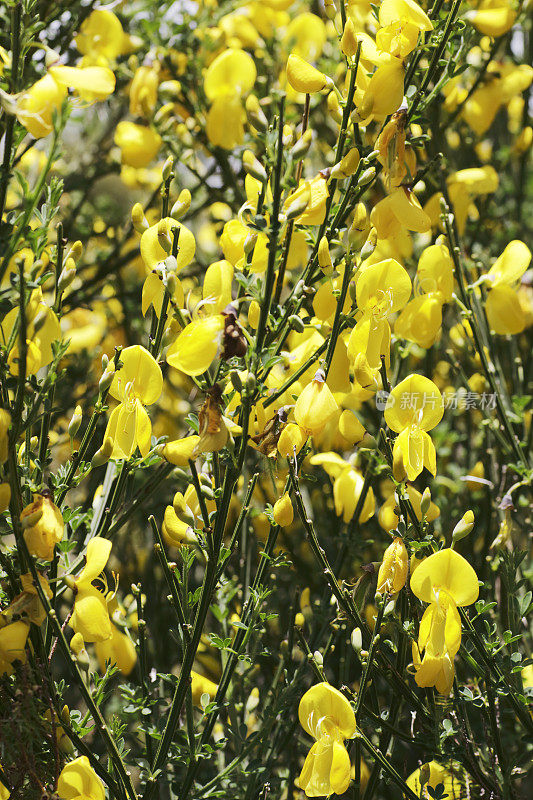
column 266, row 406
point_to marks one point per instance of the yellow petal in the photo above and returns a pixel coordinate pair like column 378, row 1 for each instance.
column 414, row 401
column 97, row 556
column 232, row 72
column 303, row 77
column 323, row 700
column 197, row 345
column 91, row 617
column 153, row 253
column 511, row 265
column 79, row 780
column 447, row 570
column 91, row 83
column 504, row 312
column 141, row 371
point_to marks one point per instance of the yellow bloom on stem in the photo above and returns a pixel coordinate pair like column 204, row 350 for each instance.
column 79, row 781
column 197, row 345
column 101, row 37
column 137, row 384
column 162, row 233
column 118, row 650
column 43, row 527
column 327, row 716
column 42, row 331
column 445, row 580
column 35, row 107
column 381, row 289
column 12, row 643
column 91, row 83
column 453, row 787
column 492, row 17
column 228, row 78
column 397, row 10
column 315, row 405
column 303, row 77
column 315, row 192
column 504, row 311
column 414, row 407
column 138, row 144
column 394, row 567
column 421, row 319
column 388, row 518
column 347, row 486
column 91, row 617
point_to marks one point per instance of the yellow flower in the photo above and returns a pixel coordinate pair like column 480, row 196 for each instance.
column 12, row 643
column 27, row 604
column 453, row 786
column 138, row 383
column 315, row 192
column 421, row 319
column 152, row 251
column 414, row 407
column 504, row 312
column 303, row 77
column 381, row 289
column 315, row 405
column 143, row 90
column 101, row 37
column 91, row 83
column 5, row 422
column 327, row 716
column 201, row 685
column 138, row 144
column 396, row 10
column 228, row 78
column 36, row 106
column 118, row 650
column 347, row 486
column 492, row 17
column 283, row 511
column 42, row 331
column 388, row 518
column 43, row 527
column 78, row 781
column 394, row 567
column 197, row 345
column 91, row 617
column 445, row 580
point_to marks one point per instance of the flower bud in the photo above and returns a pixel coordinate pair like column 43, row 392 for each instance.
column 256, row 115
column 68, row 273
column 360, row 226
column 181, row 451
column 163, row 237
column 103, row 455
column 283, row 511
column 393, row 570
column 324, row 256
column 298, row 206
column 463, row 527
column 291, row 439
column 367, row 176
column 357, row 639
column 138, row 220
column 182, row 204
column 347, row 166
column 349, row 39
column 330, row 9
column 75, row 422
column 5, row 496
column 303, row 77
column 301, row 147
column 370, row 244
column 106, row 380
column 315, row 405
column 75, row 250
column 425, row 502
column 167, row 168
column 252, row 166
